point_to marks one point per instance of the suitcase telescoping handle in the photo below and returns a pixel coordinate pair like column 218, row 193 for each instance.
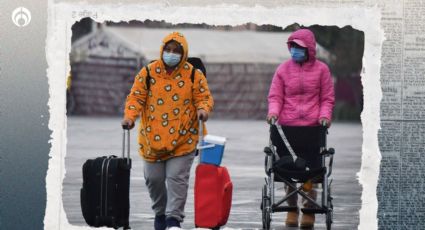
column 126, row 127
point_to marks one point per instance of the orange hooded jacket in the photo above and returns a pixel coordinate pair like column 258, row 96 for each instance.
column 168, row 109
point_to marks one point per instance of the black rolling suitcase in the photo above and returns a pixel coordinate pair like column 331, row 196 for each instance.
column 106, row 186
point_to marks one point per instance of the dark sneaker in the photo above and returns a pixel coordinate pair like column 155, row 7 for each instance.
column 172, row 222
column 159, row 223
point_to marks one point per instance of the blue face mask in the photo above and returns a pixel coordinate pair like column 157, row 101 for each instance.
column 171, row 59
column 298, row 54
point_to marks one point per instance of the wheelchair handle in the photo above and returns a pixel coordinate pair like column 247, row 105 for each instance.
column 328, row 152
column 268, row 151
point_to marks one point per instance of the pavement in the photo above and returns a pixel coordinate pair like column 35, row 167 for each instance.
column 90, row 137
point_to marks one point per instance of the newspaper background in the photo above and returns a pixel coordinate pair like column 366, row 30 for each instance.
column 401, row 110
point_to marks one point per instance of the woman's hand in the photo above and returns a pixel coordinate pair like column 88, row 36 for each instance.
column 271, row 118
column 202, row 115
column 325, row 121
column 127, row 123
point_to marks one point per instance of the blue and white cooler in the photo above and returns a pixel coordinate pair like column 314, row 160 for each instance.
column 212, row 149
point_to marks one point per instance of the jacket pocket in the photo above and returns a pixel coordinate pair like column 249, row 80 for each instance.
column 163, row 134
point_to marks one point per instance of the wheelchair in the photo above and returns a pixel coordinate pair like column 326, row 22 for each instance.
column 297, row 173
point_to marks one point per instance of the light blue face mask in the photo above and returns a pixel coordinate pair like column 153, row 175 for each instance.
column 298, row 54
column 171, row 59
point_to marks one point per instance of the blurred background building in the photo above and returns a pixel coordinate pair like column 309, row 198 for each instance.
column 240, row 64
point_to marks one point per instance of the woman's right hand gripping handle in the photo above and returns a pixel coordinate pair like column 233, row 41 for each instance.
column 127, row 123
column 271, row 119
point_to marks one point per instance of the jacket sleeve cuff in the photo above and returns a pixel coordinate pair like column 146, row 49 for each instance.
column 327, row 116
column 274, row 108
column 132, row 117
column 204, row 107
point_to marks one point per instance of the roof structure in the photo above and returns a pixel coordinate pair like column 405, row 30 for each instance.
column 213, row 46
column 103, row 43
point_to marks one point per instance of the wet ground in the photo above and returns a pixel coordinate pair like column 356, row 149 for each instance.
column 93, row 137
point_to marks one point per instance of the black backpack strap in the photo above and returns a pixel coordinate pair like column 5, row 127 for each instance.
column 197, row 63
column 148, row 78
column 192, row 75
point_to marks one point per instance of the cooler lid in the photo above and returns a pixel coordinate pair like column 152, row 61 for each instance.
column 215, row 139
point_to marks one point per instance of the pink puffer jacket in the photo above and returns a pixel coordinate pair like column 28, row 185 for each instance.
column 301, row 94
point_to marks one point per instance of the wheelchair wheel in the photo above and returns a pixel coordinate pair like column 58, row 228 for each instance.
column 329, row 213
column 265, row 209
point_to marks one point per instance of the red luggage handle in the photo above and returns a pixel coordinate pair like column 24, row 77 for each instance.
column 199, row 146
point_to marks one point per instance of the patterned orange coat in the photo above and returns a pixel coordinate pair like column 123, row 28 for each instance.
column 168, row 110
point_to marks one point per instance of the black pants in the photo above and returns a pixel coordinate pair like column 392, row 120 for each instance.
column 304, row 140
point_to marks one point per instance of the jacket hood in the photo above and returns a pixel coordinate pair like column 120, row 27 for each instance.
column 179, row 38
column 307, row 37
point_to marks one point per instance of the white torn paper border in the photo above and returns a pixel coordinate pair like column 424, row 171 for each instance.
column 61, row 18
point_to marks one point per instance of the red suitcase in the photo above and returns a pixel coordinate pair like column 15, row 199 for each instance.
column 213, row 196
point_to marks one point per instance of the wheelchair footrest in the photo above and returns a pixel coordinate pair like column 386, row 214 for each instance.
column 285, row 209
column 313, row 210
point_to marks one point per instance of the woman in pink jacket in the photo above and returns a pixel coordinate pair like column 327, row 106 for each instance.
column 301, row 94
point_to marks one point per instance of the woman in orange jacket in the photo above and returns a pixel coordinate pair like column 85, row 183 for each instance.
column 169, row 107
